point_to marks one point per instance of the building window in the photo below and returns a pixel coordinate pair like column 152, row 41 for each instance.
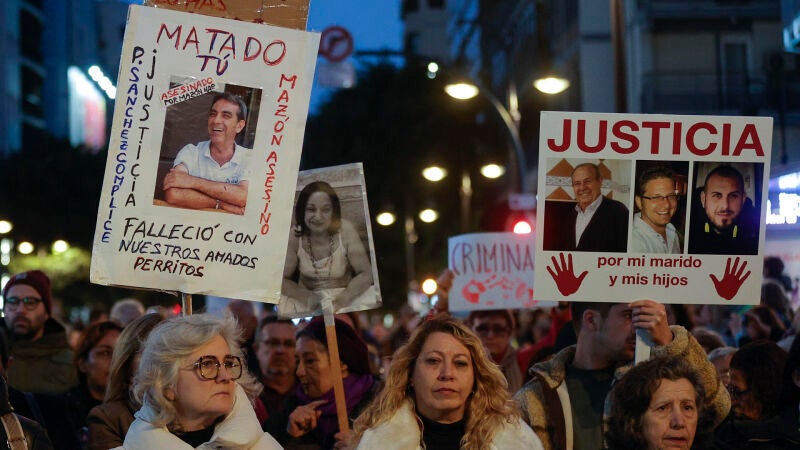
column 30, row 35
column 412, row 43
column 409, row 6
column 32, row 91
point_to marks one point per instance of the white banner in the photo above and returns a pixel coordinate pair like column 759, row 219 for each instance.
column 203, row 155
column 669, row 208
column 492, row 271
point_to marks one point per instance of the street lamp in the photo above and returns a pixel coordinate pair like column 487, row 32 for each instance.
column 428, row 215
column 5, row 226
column 457, row 90
column 461, row 90
column 551, row 85
column 385, row 218
column 25, row 248
column 434, row 173
column 60, row 246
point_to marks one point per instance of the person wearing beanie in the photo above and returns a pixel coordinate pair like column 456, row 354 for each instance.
column 40, row 356
column 308, row 419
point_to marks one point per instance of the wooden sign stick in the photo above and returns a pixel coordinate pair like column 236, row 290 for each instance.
column 186, row 304
column 336, row 368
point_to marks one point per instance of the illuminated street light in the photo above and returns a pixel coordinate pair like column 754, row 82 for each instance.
column 551, row 85
column 386, row 218
column 493, row 171
column 522, row 227
column 6, row 245
column 429, row 286
column 428, row 215
column 60, row 246
column 461, row 91
column 433, row 70
column 434, row 173
column 5, row 226
column 25, row 247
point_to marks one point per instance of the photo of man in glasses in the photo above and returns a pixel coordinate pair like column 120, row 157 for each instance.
column 657, row 199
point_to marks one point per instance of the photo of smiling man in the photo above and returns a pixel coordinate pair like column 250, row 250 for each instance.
column 587, row 220
column 659, row 196
column 210, row 174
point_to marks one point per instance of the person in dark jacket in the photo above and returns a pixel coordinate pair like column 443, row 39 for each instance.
column 309, row 419
column 35, row 436
column 759, row 418
column 39, row 348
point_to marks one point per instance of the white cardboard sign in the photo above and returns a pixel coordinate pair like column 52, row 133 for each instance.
column 226, row 233
column 698, row 239
column 492, row 271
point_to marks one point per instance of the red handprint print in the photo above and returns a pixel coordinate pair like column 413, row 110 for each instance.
column 472, row 291
column 732, row 280
column 564, row 275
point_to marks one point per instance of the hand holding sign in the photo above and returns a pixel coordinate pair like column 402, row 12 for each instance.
column 732, row 280
column 651, row 316
column 564, row 275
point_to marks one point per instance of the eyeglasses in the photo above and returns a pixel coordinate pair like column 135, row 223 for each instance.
column 736, row 393
column 497, row 330
column 208, row 367
column 275, row 342
column 30, row 302
column 672, row 198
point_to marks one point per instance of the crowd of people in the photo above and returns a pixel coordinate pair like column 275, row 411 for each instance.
column 718, row 377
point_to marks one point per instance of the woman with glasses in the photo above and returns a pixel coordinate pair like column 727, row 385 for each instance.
column 495, row 328
column 756, row 388
column 194, row 390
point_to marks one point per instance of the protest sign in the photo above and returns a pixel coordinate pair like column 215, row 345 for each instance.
column 331, row 255
column 178, row 213
column 282, row 13
column 669, row 208
column 491, row 271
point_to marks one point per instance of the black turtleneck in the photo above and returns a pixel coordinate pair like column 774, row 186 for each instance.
column 442, row 436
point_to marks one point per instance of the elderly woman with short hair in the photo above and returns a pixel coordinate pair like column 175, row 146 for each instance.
column 659, row 404
column 194, row 389
column 443, row 392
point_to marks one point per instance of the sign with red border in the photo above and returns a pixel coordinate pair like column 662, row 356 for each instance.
column 336, row 44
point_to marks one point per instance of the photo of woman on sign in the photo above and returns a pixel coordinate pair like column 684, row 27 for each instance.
column 326, row 258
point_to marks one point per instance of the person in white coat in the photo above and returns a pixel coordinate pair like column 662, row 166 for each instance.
column 443, row 392
column 194, row 390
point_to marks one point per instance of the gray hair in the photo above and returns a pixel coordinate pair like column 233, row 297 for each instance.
column 126, row 311
column 164, row 353
column 721, row 352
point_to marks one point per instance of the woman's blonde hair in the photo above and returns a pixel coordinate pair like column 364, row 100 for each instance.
column 487, row 407
column 129, row 344
column 165, row 351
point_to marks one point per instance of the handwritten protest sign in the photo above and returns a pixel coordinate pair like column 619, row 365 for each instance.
column 282, row 13
column 492, row 271
column 177, row 212
column 663, row 207
column 331, row 254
